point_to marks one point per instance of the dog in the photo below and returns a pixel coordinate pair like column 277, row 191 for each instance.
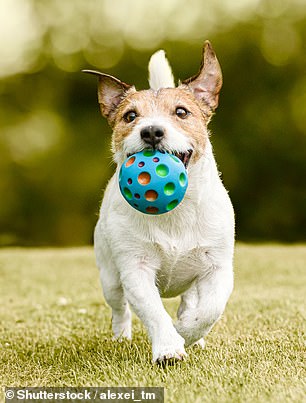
column 189, row 251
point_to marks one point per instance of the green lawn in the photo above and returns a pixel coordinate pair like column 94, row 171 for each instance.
column 55, row 330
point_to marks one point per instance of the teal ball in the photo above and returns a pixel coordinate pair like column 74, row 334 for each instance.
column 153, row 182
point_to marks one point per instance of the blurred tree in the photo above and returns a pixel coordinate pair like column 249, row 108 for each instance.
column 55, row 154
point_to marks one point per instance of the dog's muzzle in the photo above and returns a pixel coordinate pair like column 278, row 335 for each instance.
column 152, row 135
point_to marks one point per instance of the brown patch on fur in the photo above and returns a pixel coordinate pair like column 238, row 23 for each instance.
column 164, row 103
column 199, row 95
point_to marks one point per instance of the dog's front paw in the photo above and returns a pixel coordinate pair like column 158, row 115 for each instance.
column 168, row 353
column 169, row 356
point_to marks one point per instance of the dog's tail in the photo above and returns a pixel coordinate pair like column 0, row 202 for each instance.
column 160, row 73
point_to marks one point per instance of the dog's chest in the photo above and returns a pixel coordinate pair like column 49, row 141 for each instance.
column 177, row 246
column 178, row 269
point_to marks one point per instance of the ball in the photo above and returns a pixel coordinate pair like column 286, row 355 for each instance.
column 153, row 182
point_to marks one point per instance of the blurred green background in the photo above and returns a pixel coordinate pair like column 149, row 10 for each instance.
column 55, row 157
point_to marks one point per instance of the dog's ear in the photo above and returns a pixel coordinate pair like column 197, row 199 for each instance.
column 111, row 92
column 207, row 84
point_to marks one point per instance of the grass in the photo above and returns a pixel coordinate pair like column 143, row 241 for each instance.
column 55, row 330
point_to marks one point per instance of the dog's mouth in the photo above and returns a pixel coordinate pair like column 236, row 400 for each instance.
column 183, row 156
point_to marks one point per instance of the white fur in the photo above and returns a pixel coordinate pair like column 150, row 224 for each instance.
column 160, row 73
column 187, row 252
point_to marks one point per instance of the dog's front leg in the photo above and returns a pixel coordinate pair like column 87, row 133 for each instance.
column 138, row 281
column 209, row 298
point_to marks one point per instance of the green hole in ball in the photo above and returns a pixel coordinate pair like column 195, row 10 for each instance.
column 169, row 189
column 182, row 179
column 127, row 193
column 172, row 205
column 162, row 170
column 148, row 153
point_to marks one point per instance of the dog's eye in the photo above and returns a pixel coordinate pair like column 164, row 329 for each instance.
column 182, row 112
column 130, row 116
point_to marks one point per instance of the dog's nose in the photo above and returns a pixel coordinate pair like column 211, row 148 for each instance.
column 152, row 134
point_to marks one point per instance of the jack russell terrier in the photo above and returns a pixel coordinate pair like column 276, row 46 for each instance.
column 186, row 252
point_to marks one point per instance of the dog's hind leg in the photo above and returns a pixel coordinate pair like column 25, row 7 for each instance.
column 114, row 296
column 113, row 291
column 203, row 306
column 189, row 300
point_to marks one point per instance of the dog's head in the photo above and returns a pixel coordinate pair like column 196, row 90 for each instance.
column 168, row 119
